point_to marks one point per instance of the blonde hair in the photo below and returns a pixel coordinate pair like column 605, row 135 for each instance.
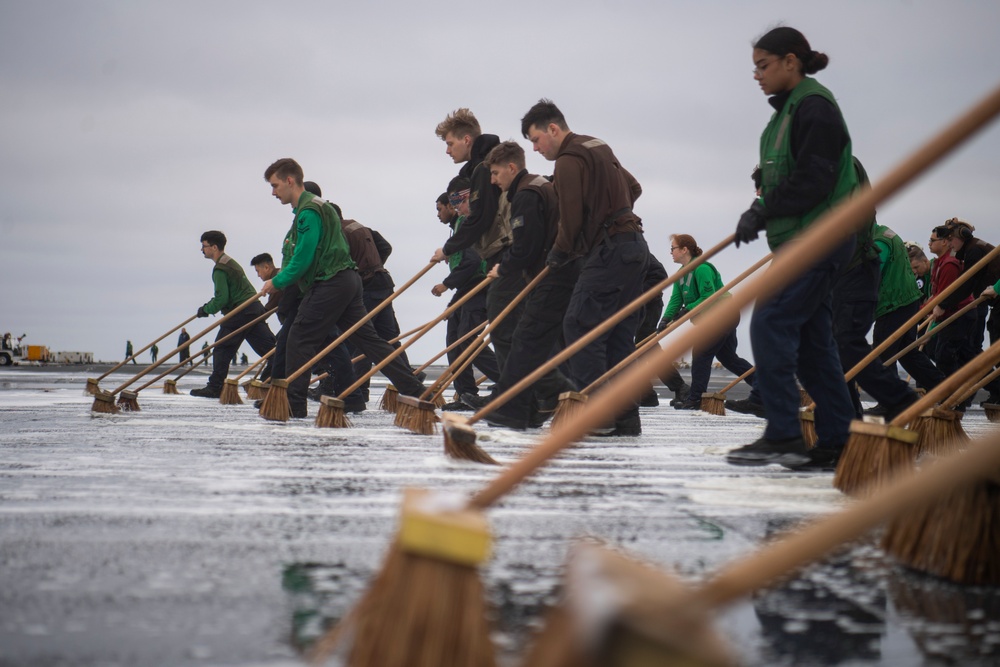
column 459, row 123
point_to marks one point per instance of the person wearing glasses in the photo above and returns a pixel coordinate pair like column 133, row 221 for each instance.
column 807, row 167
column 690, row 292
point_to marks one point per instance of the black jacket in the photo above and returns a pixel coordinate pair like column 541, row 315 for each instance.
column 484, row 197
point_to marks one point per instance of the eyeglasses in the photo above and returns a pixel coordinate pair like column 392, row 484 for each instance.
column 759, row 69
column 675, row 247
column 933, row 241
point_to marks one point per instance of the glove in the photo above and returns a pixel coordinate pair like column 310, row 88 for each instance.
column 751, row 223
column 557, row 259
column 680, row 313
column 201, row 311
column 664, row 323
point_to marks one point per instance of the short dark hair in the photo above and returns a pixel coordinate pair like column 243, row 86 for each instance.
column 507, row 152
column 784, row 40
column 443, row 198
column 262, row 258
column 943, row 231
column 544, row 113
column 284, row 168
column 313, row 187
column 214, row 237
column 458, row 184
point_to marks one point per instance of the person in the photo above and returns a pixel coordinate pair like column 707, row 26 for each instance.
column 185, row 353
column 954, row 347
column 244, row 360
column 534, row 217
column 921, row 268
column 128, row 350
column 153, row 352
column 597, row 227
column 466, row 271
column 315, row 256
column 486, row 229
column 231, row 289
column 689, row 292
column 806, row 168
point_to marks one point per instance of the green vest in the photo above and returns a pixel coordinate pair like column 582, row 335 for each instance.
column 240, row 288
column 777, row 162
column 455, row 258
column 897, row 287
column 333, row 255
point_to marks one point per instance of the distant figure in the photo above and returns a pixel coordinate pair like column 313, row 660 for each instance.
column 243, row 359
column 153, row 352
column 128, row 350
column 185, row 349
column 8, row 341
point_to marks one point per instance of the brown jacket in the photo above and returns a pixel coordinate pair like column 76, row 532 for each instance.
column 363, row 250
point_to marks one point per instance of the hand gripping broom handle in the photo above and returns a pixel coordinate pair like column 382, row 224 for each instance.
column 660, row 335
column 402, row 348
column 933, row 332
column 205, row 351
column 259, row 362
column 184, row 323
column 225, row 318
column 360, row 323
column 477, row 345
column 794, row 258
column 973, row 369
column 599, row 330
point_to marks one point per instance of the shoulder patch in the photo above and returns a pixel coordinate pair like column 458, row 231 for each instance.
column 517, row 222
column 474, row 196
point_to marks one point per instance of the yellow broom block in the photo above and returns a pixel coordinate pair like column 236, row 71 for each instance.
column 129, row 401
column 331, row 413
column 460, row 440
column 230, row 394
column 873, row 453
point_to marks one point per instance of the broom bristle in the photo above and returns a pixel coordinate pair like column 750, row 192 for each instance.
column 992, row 411
column 129, row 401
column 940, row 431
column 230, row 394
column 104, row 403
column 275, row 406
column 92, row 387
column 957, row 538
column 416, row 416
column 390, row 400
column 569, row 403
column 714, row 404
column 804, row 399
column 807, row 420
column 331, row 413
column 439, row 401
column 874, row 454
column 170, row 387
column 257, row 390
column 460, row 441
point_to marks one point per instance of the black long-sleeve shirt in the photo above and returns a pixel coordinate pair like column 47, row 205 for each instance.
column 527, row 221
column 484, row 197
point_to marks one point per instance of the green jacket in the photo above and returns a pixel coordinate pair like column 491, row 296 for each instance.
column 897, row 287
column 231, row 286
column 692, row 289
column 777, row 163
column 314, row 248
column 455, row 258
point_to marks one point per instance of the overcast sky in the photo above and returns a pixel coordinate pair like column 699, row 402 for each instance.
column 129, row 128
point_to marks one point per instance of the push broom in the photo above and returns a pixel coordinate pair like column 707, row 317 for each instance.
column 874, row 451
column 104, row 401
column 388, row 401
column 649, row 614
column 715, row 404
column 93, row 383
column 129, row 400
column 922, row 340
column 425, row 607
column 170, row 385
column 568, row 401
column 940, row 428
column 275, row 405
column 230, row 394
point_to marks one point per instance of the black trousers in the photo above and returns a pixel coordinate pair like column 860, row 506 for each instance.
column 386, row 326
column 259, row 337
column 916, row 362
column 498, row 296
column 465, row 319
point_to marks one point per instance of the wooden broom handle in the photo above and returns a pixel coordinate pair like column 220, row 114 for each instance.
column 268, row 355
column 417, row 336
column 206, row 350
column 466, row 336
column 480, row 345
column 795, row 258
column 184, row 323
column 471, row 352
column 660, row 335
column 599, row 330
column 357, row 325
column 907, row 490
column 975, row 388
column 932, row 332
column 193, row 366
column 735, row 382
column 232, row 313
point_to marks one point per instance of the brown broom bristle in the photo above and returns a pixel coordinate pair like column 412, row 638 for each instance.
column 460, row 441
column 390, row 400
column 331, row 413
column 246, row 385
column 230, row 394
column 129, row 401
column 569, row 403
column 874, row 453
column 992, row 411
column 170, row 387
column 257, row 390
column 416, row 416
column 957, row 537
column 92, row 387
column 426, row 606
column 439, row 401
column 807, row 420
column 804, row 399
column 275, row 406
column 940, row 432
column 714, row 404
column 104, row 403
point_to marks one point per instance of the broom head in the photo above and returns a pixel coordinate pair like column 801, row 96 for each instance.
column 230, row 394
column 569, row 403
column 275, row 406
column 331, row 413
column 940, row 432
column 714, row 404
column 170, row 387
column 92, row 387
column 807, row 420
column 416, row 415
column 872, row 455
column 426, row 606
column 257, row 390
column 104, row 403
column 390, row 399
column 460, row 440
column 129, row 401
column 992, row 411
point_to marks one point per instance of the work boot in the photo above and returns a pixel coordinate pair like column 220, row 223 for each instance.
column 355, row 405
column 627, row 426
column 207, row 391
column 497, row 418
column 819, row 459
column 689, row 404
column 455, row 406
column 649, row 399
column 746, row 406
column 878, row 410
column 786, row 451
column 475, row 401
column 892, row 411
column 681, row 394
